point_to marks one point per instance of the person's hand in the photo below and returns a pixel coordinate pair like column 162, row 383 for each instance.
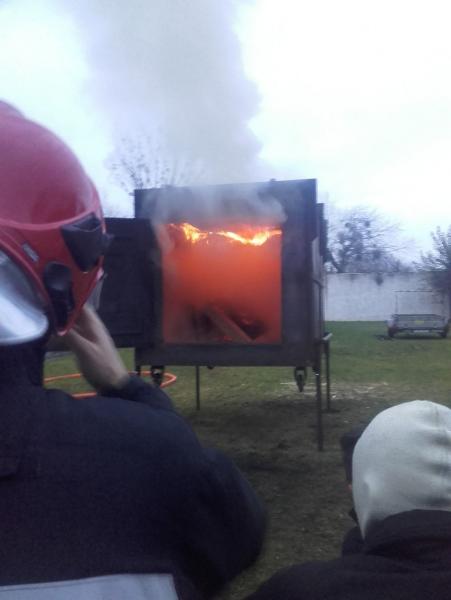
column 96, row 354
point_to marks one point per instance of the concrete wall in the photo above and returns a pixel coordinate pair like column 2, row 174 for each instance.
column 375, row 296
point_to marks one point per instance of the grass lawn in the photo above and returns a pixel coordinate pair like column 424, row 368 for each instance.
column 258, row 417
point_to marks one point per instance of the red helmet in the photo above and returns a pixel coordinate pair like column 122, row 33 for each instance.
column 52, row 232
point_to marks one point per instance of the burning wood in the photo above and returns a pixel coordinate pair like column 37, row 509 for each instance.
column 227, row 326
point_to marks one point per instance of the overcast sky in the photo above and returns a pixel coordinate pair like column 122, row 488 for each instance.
column 354, row 93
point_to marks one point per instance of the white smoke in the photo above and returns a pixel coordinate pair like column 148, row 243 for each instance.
column 251, row 204
column 169, row 71
column 174, row 66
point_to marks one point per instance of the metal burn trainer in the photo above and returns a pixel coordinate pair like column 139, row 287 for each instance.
column 228, row 275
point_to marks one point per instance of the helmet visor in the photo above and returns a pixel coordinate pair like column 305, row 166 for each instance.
column 22, row 316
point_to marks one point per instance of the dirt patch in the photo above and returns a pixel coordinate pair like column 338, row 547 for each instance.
column 272, row 440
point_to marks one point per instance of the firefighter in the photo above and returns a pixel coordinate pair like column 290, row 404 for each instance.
column 113, row 493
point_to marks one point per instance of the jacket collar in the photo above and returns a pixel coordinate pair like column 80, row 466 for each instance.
column 417, row 534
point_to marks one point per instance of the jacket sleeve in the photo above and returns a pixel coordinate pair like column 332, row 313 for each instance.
column 226, row 523
column 138, row 390
column 218, row 519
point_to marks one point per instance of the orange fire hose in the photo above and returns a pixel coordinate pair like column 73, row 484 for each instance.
column 169, row 379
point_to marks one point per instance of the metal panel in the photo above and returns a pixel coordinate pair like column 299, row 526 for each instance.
column 128, row 298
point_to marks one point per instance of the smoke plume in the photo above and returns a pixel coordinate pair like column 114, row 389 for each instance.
column 212, row 205
column 173, row 66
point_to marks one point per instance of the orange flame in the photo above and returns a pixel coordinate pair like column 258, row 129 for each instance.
column 218, row 282
column 254, row 238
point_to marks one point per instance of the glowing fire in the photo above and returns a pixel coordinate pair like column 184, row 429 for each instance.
column 250, row 237
column 222, row 286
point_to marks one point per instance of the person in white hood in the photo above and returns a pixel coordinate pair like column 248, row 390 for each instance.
column 402, row 462
column 402, row 497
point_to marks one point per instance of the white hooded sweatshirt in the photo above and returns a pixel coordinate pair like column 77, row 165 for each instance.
column 402, row 462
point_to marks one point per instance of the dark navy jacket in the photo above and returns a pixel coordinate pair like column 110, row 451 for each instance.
column 117, row 485
column 404, row 557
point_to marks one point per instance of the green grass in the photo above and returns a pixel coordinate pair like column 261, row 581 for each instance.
column 360, row 353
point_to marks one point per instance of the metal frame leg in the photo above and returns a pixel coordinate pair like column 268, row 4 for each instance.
column 197, row 387
column 319, row 402
column 327, row 355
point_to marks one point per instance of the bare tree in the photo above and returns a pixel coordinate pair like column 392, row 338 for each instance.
column 437, row 264
column 142, row 161
column 362, row 241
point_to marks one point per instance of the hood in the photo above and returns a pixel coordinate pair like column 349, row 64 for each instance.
column 402, row 462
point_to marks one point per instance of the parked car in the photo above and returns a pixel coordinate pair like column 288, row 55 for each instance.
column 418, row 323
